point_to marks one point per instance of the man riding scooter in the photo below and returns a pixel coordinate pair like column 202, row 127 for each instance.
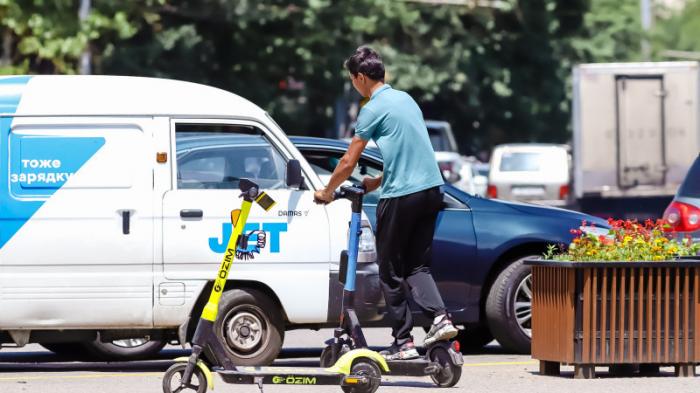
column 409, row 203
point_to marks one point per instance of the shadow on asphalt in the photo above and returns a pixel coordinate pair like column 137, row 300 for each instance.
column 45, row 361
column 600, row 374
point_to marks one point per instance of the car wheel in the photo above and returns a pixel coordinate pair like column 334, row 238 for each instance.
column 250, row 327
column 509, row 307
column 473, row 338
column 126, row 349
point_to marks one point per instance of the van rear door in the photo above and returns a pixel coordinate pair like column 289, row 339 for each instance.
column 76, row 228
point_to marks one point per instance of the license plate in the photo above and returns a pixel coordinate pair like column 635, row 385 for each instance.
column 528, row 191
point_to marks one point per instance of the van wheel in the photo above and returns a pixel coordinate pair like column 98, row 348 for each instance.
column 250, row 326
column 127, row 349
column 509, row 307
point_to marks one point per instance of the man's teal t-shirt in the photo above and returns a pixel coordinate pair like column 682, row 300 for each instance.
column 395, row 122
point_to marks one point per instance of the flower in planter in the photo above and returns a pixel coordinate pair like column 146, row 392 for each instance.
column 626, row 240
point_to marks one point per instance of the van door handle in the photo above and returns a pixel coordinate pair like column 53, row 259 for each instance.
column 191, row 213
column 126, row 221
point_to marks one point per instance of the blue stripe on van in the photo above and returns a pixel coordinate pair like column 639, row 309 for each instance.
column 22, row 190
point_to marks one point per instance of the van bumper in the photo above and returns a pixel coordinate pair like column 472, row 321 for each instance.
column 369, row 302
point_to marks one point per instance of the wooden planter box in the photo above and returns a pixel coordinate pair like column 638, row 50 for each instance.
column 625, row 315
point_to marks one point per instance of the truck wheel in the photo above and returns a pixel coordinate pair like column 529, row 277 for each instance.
column 474, row 338
column 250, row 327
column 509, row 306
column 127, row 349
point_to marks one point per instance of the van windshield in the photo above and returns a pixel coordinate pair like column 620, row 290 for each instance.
column 691, row 184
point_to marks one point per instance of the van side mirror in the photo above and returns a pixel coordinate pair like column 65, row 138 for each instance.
column 294, row 178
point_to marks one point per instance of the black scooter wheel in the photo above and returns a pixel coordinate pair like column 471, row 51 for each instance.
column 366, row 368
column 327, row 359
column 173, row 377
column 450, row 373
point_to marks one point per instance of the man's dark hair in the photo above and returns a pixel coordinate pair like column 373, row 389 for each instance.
column 366, row 61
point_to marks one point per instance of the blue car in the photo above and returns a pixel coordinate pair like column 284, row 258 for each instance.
column 478, row 250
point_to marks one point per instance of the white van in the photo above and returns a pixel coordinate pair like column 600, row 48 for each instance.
column 115, row 197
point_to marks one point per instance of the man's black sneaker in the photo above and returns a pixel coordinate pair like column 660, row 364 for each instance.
column 405, row 351
column 441, row 331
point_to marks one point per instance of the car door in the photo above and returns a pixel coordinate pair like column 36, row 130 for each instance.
column 288, row 246
column 454, row 243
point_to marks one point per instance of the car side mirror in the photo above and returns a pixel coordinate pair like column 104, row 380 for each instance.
column 294, row 177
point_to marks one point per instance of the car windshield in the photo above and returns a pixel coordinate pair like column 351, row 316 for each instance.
column 691, row 184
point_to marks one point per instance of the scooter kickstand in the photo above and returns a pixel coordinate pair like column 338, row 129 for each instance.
column 259, row 382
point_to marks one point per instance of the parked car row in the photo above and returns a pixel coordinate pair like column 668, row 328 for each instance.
column 128, row 183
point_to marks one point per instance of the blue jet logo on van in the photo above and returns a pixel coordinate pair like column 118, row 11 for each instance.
column 219, row 244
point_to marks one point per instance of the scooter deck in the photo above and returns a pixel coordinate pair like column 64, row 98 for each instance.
column 282, row 375
column 413, row 368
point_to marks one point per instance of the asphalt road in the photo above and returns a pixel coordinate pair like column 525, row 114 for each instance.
column 35, row 370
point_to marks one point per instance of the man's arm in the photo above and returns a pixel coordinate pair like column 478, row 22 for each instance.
column 343, row 170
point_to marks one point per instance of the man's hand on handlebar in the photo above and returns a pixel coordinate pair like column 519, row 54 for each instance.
column 371, row 183
column 323, row 196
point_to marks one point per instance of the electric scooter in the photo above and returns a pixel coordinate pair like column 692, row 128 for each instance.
column 356, row 371
column 442, row 361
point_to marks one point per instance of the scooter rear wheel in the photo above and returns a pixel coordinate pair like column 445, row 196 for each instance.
column 368, row 368
column 173, row 377
column 450, row 373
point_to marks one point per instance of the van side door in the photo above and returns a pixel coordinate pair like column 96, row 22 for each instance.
column 288, row 247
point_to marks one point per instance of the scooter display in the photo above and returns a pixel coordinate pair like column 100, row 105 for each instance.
column 356, row 371
column 442, row 360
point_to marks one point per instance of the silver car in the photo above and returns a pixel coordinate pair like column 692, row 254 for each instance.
column 530, row 172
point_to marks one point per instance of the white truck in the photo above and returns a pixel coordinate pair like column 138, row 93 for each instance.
column 115, row 195
column 635, row 134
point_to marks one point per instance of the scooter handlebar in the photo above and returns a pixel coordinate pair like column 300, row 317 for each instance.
column 346, row 192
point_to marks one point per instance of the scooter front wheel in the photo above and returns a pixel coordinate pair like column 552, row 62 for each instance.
column 450, row 373
column 172, row 380
column 366, row 368
column 327, row 358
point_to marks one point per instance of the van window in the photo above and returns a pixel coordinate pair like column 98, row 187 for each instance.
column 219, row 156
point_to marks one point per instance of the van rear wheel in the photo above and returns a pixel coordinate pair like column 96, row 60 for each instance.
column 124, row 350
column 250, row 327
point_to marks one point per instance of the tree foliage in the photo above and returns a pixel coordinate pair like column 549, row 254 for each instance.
column 497, row 74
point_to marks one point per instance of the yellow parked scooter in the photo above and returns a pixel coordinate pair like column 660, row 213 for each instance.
column 357, row 371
